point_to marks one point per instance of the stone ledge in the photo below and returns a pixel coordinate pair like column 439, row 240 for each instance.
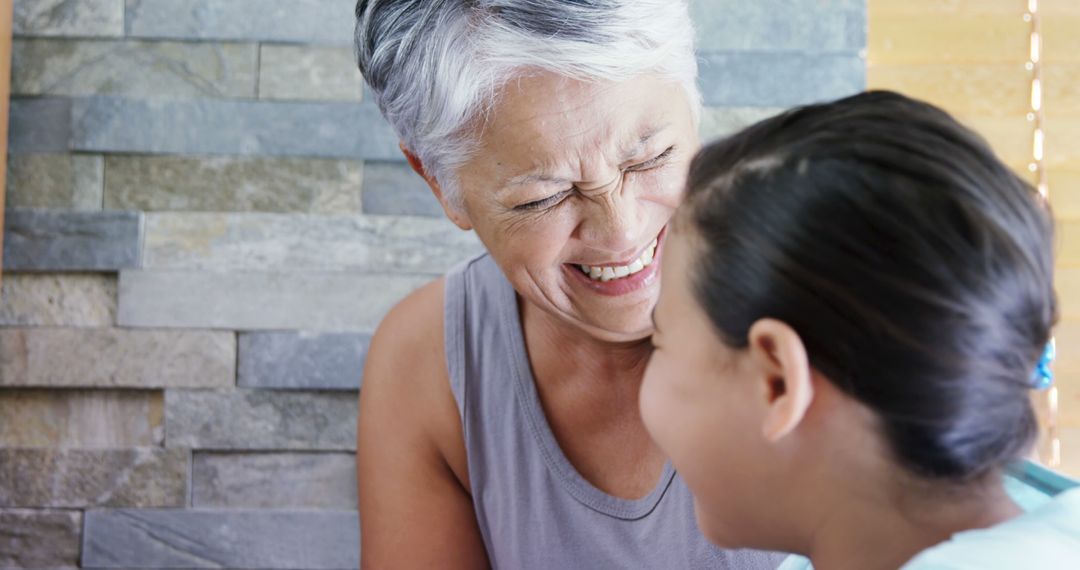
column 292, row 21
column 86, row 419
column 55, row 180
column 301, row 361
column 392, row 188
column 73, row 18
column 51, row 300
column 39, row 125
column 233, row 184
column 299, row 242
column 116, row 358
column 309, row 73
column 274, row 480
column 40, row 539
column 55, row 240
column 779, row 79
column 253, row 301
column 246, row 128
column 809, row 26
column 718, row 122
column 64, row 67
column 144, row 477
column 221, row 539
column 260, row 420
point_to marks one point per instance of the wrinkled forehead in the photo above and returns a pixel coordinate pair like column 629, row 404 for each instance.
column 547, row 119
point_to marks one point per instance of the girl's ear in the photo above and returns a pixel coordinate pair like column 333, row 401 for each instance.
column 783, row 369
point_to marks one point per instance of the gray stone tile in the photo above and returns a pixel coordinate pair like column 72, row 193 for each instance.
column 813, row 26
column 719, row 122
column 71, row 18
column 80, row 478
column 86, row 419
column 221, row 539
column 305, row 361
column 274, row 480
column 133, row 68
column 309, row 73
column 331, row 130
column 300, row 21
column 779, row 79
column 53, row 240
column 260, row 420
column 115, row 358
column 281, row 242
column 53, row 180
column 241, row 300
column 41, row 539
column 392, row 188
column 58, row 300
column 232, row 184
column 39, row 125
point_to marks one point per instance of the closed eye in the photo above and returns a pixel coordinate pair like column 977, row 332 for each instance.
column 544, row 203
column 653, row 162
column 554, row 199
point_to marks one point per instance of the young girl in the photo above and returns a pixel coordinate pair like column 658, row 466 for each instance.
column 855, row 300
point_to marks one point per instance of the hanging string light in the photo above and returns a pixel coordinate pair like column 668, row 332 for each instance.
column 1037, row 166
column 1037, row 114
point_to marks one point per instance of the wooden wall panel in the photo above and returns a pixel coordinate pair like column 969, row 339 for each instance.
column 1065, row 193
column 968, row 57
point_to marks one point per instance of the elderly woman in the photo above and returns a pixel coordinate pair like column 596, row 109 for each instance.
column 499, row 419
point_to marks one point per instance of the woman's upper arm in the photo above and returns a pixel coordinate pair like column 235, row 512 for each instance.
column 415, row 510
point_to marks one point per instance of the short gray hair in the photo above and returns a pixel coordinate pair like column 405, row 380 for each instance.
column 436, row 66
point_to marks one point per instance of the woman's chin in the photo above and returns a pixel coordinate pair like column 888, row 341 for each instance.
column 625, row 329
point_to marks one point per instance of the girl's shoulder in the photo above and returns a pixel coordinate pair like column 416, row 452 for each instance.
column 1046, row 537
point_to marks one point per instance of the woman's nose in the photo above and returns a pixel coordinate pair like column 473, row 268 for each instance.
column 614, row 224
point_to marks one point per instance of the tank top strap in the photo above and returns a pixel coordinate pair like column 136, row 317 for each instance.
column 454, row 330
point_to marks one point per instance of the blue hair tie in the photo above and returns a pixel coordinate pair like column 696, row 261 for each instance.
column 1043, row 377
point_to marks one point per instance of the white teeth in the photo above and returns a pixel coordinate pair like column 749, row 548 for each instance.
column 618, row 272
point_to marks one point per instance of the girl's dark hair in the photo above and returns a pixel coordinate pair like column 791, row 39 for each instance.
column 915, row 266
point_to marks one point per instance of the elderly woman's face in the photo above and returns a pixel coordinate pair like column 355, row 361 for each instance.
column 572, row 190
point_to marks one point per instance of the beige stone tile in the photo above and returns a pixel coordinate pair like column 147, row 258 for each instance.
column 55, row 299
column 114, row 358
column 81, row 418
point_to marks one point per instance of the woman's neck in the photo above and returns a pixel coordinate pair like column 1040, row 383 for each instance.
column 574, row 353
column 886, row 526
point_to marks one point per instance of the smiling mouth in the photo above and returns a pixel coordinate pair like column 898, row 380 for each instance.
column 614, row 272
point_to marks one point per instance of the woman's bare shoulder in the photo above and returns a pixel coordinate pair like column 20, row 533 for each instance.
column 412, row 468
column 406, row 372
column 413, row 330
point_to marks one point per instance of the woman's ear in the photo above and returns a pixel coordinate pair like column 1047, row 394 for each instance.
column 453, row 212
column 784, row 369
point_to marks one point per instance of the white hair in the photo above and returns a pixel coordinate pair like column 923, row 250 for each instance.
column 436, row 66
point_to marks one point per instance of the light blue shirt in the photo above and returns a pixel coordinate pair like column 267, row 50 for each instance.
column 1046, row 536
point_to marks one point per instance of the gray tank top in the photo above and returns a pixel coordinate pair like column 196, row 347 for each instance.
column 535, row 511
